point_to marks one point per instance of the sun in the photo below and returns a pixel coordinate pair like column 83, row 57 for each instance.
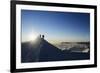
column 32, row 36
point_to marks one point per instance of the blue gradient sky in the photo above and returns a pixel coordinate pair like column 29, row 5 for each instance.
column 56, row 26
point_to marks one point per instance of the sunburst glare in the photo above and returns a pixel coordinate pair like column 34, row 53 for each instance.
column 32, row 36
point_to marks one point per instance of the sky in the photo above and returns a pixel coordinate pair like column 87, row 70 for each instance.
column 56, row 26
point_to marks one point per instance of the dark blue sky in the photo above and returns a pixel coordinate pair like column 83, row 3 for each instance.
column 56, row 26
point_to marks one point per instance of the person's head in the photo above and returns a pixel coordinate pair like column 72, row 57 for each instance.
column 43, row 36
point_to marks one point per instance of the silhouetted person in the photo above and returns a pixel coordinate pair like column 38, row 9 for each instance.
column 40, row 35
column 43, row 36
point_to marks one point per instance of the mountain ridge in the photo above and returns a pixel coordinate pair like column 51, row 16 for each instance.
column 43, row 51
